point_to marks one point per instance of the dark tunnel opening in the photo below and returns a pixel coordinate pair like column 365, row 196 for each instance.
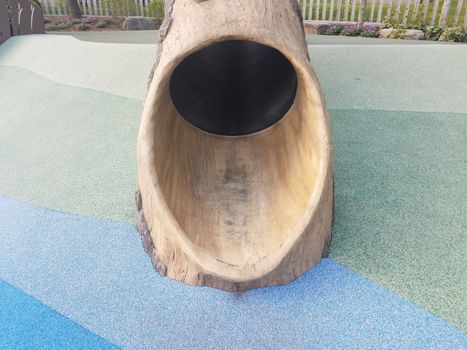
column 234, row 87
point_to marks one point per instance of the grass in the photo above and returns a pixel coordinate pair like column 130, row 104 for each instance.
column 393, row 9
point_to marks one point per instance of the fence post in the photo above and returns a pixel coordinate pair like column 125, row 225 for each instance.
column 415, row 10
column 346, row 11
column 425, row 10
column 325, row 7
column 457, row 19
column 372, row 10
column 435, row 12
column 406, row 11
column 331, row 10
column 380, row 11
column 362, row 12
column 352, row 15
column 398, row 10
column 445, row 12
column 310, row 10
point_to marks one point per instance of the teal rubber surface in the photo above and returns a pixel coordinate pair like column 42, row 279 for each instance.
column 26, row 323
column 398, row 114
column 96, row 273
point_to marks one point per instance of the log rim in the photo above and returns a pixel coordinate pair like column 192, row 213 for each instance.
column 209, row 264
column 290, row 102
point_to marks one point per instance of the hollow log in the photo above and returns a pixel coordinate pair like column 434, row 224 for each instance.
column 234, row 153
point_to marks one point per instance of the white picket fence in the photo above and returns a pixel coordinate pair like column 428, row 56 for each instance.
column 96, row 8
column 431, row 12
column 440, row 12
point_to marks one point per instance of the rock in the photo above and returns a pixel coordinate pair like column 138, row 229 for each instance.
column 316, row 28
column 139, row 23
column 414, row 34
column 411, row 34
column 385, row 33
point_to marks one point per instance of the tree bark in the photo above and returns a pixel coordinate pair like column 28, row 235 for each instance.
column 73, row 8
column 240, row 211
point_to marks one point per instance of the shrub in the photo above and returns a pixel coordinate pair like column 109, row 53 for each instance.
column 76, row 21
column 59, row 26
column 334, row 29
column 389, row 23
column 351, row 30
column 433, row 32
column 102, row 23
column 84, row 26
column 420, row 26
column 369, row 31
column 90, row 20
column 457, row 35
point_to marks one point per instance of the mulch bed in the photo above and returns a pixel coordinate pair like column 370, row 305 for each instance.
column 91, row 23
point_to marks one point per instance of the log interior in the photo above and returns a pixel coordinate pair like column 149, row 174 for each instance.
column 234, row 87
column 238, row 198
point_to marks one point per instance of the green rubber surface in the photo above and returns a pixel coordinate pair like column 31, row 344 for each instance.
column 429, row 78
column 56, row 150
column 151, row 36
column 400, row 204
column 398, row 114
column 120, row 69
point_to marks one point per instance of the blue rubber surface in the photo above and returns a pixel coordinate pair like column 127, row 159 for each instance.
column 26, row 323
column 96, row 273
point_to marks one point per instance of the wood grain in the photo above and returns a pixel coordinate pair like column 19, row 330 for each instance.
column 234, row 212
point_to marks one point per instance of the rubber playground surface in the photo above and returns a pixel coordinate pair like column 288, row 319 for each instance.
column 73, row 273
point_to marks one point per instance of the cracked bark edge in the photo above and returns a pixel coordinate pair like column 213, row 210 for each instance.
column 163, row 31
column 327, row 244
column 146, row 239
column 296, row 7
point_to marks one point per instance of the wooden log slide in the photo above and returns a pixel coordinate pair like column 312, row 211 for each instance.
column 234, row 154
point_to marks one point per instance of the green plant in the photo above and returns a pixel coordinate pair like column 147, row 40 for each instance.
column 90, row 20
column 76, row 21
column 419, row 26
column 103, row 23
column 84, row 26
column 369, row 31
column 454, row 34
column 155, row 9
column 334, row 29
column 351, row 30
column 433, row 32
column 59, row 26
column 389, row 23
column 397, row 33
